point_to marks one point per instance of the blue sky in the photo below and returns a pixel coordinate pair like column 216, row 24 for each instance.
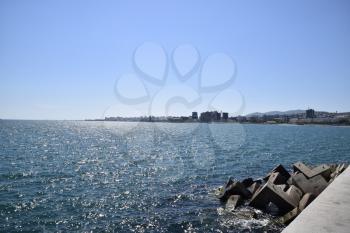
column 61, row 59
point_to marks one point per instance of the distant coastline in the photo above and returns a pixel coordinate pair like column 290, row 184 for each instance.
column 295, row 117
column 227, row 122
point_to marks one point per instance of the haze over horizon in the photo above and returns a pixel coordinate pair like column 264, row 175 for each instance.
column 61, row 60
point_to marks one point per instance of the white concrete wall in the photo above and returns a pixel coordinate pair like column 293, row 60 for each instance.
column 329, row 212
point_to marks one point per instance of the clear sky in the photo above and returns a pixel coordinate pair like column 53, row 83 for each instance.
column 61, row 59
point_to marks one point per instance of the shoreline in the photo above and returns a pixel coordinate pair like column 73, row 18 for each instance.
column 227, row 122
column 187, row 122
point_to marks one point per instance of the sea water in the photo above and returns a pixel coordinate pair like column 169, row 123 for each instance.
column 145, row 177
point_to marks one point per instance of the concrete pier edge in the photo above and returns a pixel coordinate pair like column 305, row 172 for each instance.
column 329, row 212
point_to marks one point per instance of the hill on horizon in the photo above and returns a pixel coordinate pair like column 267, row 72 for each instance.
column 289, row 112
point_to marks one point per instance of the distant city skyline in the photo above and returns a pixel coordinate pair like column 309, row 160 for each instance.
column 295, row 117
column 196, row 115
column 62, row 60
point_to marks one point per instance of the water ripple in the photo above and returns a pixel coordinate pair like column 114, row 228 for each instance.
column 93, row 176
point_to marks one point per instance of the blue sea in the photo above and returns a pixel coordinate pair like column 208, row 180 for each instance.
column 77, row 176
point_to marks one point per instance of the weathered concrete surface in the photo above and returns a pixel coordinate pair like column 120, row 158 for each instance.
column 323, row 170
column 294, row 194
column 275, row 194
column 306, row 200
column 280, row 169
column 247, row 182
column 329, row 212
column 233, row 188
column 277, row 178
column 336, row 170
column 233, row 201
column 254, row 187
column 314, row 185
column 290, row 216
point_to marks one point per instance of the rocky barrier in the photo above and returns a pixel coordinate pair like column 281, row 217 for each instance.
column 280, row 193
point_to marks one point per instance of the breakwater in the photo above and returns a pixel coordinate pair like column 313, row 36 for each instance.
column 280, row 192
column 329, row 212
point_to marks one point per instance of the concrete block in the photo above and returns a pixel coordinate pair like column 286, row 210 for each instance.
column 334, row 174
column 294, row 194
column 290, row 180
column 277, row 178
column 341, row 167
column 337, row 171
column 229, row 182
column 290, row 216
column 333, row 167
column 220, row 191
column 314, row 185
column 279, row 169
column 323, row 170
column 247, row 182
column 272, row 193
column 284, row 187
column 235, row 188
column 254, row 187
column 300, row 167
column 306, row 200
column 259, row 181
column 272, row 209
column 233, row 201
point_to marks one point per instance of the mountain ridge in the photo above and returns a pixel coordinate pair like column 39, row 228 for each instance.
column 289, row 112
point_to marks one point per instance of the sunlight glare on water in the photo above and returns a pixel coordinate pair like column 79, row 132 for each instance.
column 145, row 177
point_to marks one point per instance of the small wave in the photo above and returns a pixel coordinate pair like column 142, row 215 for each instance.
column 14, row 176
column 247, row 218
column 7, row 207
column 181, row 197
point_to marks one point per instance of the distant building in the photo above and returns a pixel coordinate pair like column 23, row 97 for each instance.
column 178, row 119
column 194, row 115
column 225, row 116
column 210, row 116
column 310, row 113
